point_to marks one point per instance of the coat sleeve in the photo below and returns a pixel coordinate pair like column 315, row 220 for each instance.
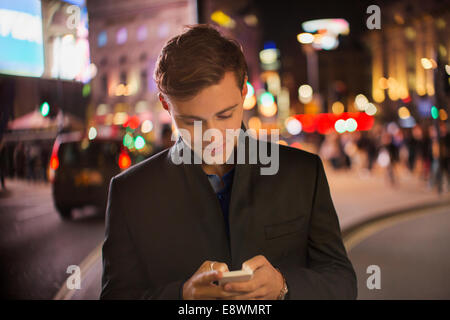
column 124, row 276
column 329, row 273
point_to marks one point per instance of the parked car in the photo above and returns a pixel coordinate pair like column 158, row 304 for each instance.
column 80, row 170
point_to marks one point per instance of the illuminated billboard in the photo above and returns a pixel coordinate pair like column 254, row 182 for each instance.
column 21, row 42
column 68, row 45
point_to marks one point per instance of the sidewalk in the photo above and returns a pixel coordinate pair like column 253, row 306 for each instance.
column 22, row 184
column 360, row 197
column 356, row 198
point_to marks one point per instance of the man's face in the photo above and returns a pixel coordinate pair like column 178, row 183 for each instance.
column 219, row 106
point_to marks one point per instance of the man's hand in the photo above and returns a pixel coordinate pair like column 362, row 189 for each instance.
column 201, row 286
column 266, row 282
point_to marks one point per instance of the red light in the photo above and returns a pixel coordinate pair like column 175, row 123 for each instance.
column 307, row 121
column 124, row 160
column 324, row 122
column 407, row 99
column 132, row 122
column 54, row 162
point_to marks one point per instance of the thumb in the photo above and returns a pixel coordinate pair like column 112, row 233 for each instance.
column 221, row 267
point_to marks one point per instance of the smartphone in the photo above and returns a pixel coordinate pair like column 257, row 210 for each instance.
column 236, row 276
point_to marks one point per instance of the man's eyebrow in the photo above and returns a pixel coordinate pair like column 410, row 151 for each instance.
column 184, row 116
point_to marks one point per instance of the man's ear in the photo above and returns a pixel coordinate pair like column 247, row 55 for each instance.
column 163, row 102
column 244, row 87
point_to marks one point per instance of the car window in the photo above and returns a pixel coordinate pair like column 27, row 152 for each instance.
column 89, row 154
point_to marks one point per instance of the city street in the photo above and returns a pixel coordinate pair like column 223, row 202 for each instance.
column 37, row 246
column 91, row 88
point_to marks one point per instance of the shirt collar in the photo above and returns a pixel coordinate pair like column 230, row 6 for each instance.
column 227, row 179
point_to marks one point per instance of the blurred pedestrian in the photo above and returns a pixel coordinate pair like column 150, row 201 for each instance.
column 19, row 160
column 3, row 163
column 388, row 156
column 435, row 170
column 32, row 154
column 411, row 145
column 331, row 150
column 426, row 153
column 367, row 144
column 444, row 143
column 165, row 139
column 44, row 161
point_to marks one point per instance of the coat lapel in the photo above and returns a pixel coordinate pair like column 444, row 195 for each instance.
column 242, row 216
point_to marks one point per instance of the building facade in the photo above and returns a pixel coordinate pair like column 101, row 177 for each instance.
column 409, row 57
column 126, row 38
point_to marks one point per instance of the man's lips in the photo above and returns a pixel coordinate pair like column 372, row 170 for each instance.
column 216, row 148
column 220, row 148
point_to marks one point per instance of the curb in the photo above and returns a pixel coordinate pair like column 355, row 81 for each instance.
column 356, row 233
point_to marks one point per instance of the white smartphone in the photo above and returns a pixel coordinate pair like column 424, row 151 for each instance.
column 236, row 276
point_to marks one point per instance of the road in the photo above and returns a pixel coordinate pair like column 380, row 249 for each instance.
column 412, row 252
column 36, row 246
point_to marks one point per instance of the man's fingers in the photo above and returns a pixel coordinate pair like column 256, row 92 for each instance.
column 254, row 263
column 219, row 266
column 208, row 277
column 244, row 286
column 213, row 265
column 206, row 266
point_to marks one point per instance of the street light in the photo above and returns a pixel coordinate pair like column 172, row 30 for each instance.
column 321, row 34
column 305, row 93
column 428, row 64
column 45, row 109
column 305, row 37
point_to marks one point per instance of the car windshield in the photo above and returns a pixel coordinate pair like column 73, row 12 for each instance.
column 92, row 154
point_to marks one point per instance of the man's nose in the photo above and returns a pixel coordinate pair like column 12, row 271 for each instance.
column 213, row 125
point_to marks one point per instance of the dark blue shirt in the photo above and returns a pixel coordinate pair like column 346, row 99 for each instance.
column 223, row 193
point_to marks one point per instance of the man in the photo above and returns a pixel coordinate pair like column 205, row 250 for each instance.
column 173, row 228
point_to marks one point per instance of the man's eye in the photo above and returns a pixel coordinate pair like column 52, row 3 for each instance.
column 225, row 117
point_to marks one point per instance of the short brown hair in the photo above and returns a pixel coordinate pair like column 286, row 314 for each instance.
column 197, row 58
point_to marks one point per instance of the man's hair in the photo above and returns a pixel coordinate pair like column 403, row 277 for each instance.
column 195, row 59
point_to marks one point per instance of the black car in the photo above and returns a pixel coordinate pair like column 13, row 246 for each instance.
column 80, row 170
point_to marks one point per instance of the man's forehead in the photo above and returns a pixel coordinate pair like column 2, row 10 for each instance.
column 210, row 100
column 202, row 113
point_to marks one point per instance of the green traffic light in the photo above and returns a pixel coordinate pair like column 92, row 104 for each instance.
column 434, row 112
column 139, row 142
column 267, row 99
column 45, row 109
column 127, row 140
